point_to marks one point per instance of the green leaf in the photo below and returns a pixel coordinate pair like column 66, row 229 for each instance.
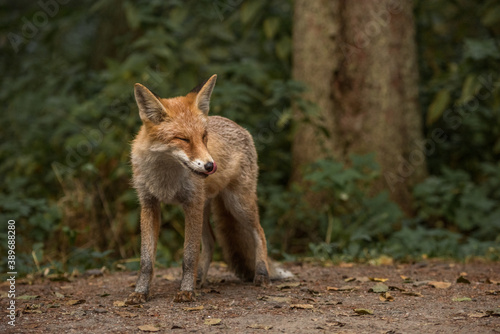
column 492, row 17
column 271, row 26
column 478, row 49
column 438, row 105
column 249, row 10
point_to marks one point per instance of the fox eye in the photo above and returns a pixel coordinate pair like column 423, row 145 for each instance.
column 183, row 139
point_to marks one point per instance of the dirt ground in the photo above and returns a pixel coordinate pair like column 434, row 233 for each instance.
column 335, row 299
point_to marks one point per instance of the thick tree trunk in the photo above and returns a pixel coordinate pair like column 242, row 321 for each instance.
column 358, row 59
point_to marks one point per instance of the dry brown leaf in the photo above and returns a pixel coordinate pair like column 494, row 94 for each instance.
column 342, row 288
column 257, row 326
column 396, row 288
column 378, row 279
column 275, row 299
column 301, row 306
column 478, row 315
column 490, row 281
column 493, row 292
column 439, row 285
column 363, row 311
column 119, row 303
column 386, row 297
column 168, row 277
column 363, row 279
column 196, row 308
column 346, row 265
column 349, row 279
column 212, row 321
column 75, row 301
column 462, row 279
column 149, row 328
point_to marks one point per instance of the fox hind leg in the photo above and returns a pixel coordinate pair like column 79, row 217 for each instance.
column 241, row 236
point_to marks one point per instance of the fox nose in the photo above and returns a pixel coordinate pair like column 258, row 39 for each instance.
column 209, row 166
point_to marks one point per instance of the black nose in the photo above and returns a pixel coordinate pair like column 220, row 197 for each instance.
column 209, row 166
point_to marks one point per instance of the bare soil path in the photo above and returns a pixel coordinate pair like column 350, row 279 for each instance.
column 420, row 298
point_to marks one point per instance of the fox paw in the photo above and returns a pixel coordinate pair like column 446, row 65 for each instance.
column 136, row 298
column 261, row 280
column 184, row 296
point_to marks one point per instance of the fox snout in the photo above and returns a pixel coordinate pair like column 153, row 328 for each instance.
column 210, row 167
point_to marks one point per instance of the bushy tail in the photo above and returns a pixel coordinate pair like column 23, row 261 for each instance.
column 276, row 272
column 238, row 245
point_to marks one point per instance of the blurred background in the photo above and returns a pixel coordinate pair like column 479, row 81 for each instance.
column 377, row 123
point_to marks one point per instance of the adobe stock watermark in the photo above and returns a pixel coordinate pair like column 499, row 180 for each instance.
column 265, row 135
column 379, row 20
column 31, row 26
column 454, row 118
column 11, row 272
column 93, row 138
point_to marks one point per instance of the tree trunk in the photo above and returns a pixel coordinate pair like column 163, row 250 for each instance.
column 358, row 59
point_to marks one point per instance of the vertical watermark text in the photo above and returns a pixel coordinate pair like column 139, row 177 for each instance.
column 11, row 272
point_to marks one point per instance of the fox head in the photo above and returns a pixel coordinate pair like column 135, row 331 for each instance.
column 178, row 126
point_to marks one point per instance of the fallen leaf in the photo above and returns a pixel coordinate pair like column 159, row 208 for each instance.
column 257, row 326
column 406, row 279
column 379, row 288
column 440, row 285
column 412, row 293
column 463, row 280
column 478, row 314
column 104, row 295
column 126, row 314
column 27, row 297
column 462, row 299
column 495, row 312
column 490, row 281
column 363, row 311
column 196, row 308
column 377, row 279
column 493, row 292
column 59, row 295
column 212, row 321
column 396, row 288
column 149, row 328
column 386, row 297
column 363, row 279
column 349, row 279
column 275, row 299
column 301, row 306
column 75, row 301
column 346, row 265
column 119, row 303
column 177, row 327
column 343, row 288
column 288, row 285
column 55, row 305
column 168, row 277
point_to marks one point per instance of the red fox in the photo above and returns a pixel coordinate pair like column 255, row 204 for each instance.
column 206, row 164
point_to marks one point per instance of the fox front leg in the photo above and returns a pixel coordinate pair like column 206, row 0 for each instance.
column 150, row 226
column 192, row 240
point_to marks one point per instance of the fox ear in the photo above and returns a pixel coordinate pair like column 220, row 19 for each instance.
column 150, row 108
column 203, row 98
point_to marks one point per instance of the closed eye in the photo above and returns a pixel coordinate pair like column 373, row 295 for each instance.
column 183, row 139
